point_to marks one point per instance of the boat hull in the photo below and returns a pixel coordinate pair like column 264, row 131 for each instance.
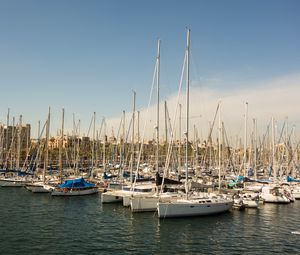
column 269, row 198
column 251, row 203
column 111, row 197
column 143, row 204
column 296, row 194
column 39, row 188
column 188, row 208
column 12, row 183
column 70, row 192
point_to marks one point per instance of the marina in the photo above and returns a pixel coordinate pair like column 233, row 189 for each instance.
column 149, row 127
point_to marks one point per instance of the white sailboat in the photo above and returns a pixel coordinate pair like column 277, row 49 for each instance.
column 140, row 202
column 18, row 181
column 274, row 194
column 42, row 186
column 192, row 205
column 115, row 196
column 296, row 191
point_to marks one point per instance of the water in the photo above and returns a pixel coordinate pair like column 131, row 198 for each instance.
column 41, row 224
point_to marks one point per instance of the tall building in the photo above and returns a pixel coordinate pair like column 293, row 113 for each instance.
column 11, row 136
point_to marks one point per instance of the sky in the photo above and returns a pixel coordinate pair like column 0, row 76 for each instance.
column 88, row 56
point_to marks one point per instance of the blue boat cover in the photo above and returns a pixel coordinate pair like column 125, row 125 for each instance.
column 76, row 183
column 291, row 179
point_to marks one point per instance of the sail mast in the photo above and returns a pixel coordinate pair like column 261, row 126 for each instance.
column 61, row 145
column 157, row 102
column 187, row 105
column 220, row 145
column 132, row 138
column 93, row 144
column 245, row 139
column 6, row 140
column 19, row 143
column 255, row 149
column 104, row 145
column 179, row 146
column 46, row 147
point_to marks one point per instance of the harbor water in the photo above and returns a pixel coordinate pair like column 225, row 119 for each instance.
column 41, row 224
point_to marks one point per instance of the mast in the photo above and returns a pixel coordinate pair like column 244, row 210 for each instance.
column 138, row 131
column 12, row 153
column 286, row 143
column 295, row 154
column 157, row 103
column 27, row 141
column 273, row 148
column 104, row 145
column 132, row 138
column 179, row 131
column 61, row 145
column 46, row 147
column 166, row 126
column 245, row 138
column 255, row 148
column 93, row 144
column 39, row 145
column 220, row 145
column 19, row 143
column 7, row 141
column 74, row 142
column 187, row 107
column 122, row 149
column 77, row 148
column 138, row 127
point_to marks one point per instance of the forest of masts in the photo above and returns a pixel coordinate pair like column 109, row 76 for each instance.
column 274, row 151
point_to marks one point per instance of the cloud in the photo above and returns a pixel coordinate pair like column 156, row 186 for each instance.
column 278, row 98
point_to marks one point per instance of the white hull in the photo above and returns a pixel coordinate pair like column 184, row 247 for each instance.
column 296, row 195
column 70, row 192
column 124, row 195
column 194, row 207
column 12, row 183
column 142, row 203
column 132, row 195
column 115, row 196
column 39, row 188
column 275, row 195
column 126, row 200
column 269, row 198
column 251, row 203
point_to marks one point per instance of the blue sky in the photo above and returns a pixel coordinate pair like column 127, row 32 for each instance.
column 87, row 56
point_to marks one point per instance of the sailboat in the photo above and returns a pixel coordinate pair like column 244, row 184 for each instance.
column 145, row 202
column 274, row 194
column 192, row 204
column 18, row 180
column 124, row 194
column 42, row 186
column 115, row 196
column 15, row 177
column 73, row 187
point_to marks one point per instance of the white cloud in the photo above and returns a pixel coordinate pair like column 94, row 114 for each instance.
column 278, row 98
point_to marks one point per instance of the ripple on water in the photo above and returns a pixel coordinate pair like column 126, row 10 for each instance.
column 41, row 224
